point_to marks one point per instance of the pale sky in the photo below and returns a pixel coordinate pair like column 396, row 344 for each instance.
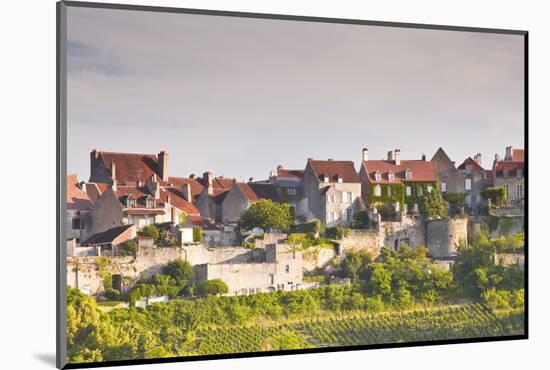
column 239, row 96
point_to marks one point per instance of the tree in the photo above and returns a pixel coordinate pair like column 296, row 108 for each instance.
column 266, row 214
column 128, row 248
column 179, row 270
column 151, row 231
column 433, row 205
column 211, row 287
column 361, row 220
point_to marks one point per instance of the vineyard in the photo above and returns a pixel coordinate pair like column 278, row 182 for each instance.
column 454, row 322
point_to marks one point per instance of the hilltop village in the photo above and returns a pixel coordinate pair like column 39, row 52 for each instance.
column 132, row 217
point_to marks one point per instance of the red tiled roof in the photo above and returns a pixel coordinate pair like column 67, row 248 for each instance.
column 420, row 170
column 332, row 169
column 178, row 201
column 518, row 155
column 256, row 191
column 510, row 166
column 196, row 186
column 475, row 166
column 131, row 167
column 107, row 236
column 144, row 211
column 295, row 174
column 137, row 193
column 77, row 199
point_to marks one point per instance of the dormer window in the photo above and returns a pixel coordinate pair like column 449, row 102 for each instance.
column 339, row 179
column 377, row 176
column 391, row 176
column 408, row 174
column 468, row 168
column 150, row 203
column 130, row 202
column 325, row 178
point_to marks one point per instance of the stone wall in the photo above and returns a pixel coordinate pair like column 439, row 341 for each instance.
column 410, row 231
column 317, row 258
column 444, row 236
column 361, row 240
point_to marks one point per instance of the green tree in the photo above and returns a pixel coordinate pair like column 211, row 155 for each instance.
column 211, row 287
column 128, row 248
column 179, row 270
column 266, row 214
column 433, row 205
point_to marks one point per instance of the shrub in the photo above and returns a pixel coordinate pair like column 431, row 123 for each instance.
column 128, row 248
column 266, row 214
column 337, row 232
column 197, row 234
column 211, row 287
column 179, row 270
column 497, row 196
column 361, row 220
column 151, row 231
column 307, row 227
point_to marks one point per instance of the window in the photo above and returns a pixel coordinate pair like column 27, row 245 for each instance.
column 377, row 176
column 271, row 279
column 430, row 188
column 443, row 187
column 292, row 205
column 150, row 203
column 420, row 191
column 378, row 191
column 468, row 168
column 287, row 269
column 519, row 172
column 389, row 191
column 408, row 174
column 391, row 176
column 468, row 184
column 416, row 208
column 409, row 191
column 293, row 255
column 130, row 202
column 78, row 224
column 505, row 173
column 344, row 197
column 350, row 214
column 519, row 191
column 331, row 216
column 344, row 215
column 340, row 180
column 291, row 191
column 332, row 198
column 325, row 178
column 351, row 196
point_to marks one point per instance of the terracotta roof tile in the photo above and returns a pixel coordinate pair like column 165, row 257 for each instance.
column 475, row 166
column 420, row 170
column 518, row 155
column 77, row 199
column 178, row 201
column 131, row 167
column 294, row 174
column 256, row 191
column 137, row 193
column 332, row 169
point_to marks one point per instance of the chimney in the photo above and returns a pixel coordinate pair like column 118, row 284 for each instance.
column 187, row 192
column 330, row 159
column 424, row 157
column 168, row 199
column 497, row 157
column 365, row 154
column 93, row 156
column 192, row 176
column 477, row 158
column 163, row 165
column 138, row 183
column 509, row 152
column 113, row 186
column 113, row 170
column 272, row 174
column 397, row 157
column 390, row 155
column 250, row 179
column 208, row 182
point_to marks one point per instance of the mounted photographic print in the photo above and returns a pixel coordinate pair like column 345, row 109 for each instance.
column 237, row 185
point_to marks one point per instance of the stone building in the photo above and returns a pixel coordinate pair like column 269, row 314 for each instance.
column 509, row 173
column 139, row 205
column 473, row 179
column 288, row 184
column 209, row 201
column 447, row 173
column 394, row 181
column 281, row 270
column 331, row 192
column 242, row 195
column 79, row 211
column 107, row 242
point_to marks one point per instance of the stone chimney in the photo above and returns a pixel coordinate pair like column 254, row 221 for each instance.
column 163, row 165
column 113, row 170
column 397, row 157
column 477, row 158
column 186, row 191
column 424, row 157
column 365, row 154
column 509, row 153
column 93, row 157
column 208, row 182
column 390, row 155
column 272, row 174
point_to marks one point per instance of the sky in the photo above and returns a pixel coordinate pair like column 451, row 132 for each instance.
column 239, row 96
